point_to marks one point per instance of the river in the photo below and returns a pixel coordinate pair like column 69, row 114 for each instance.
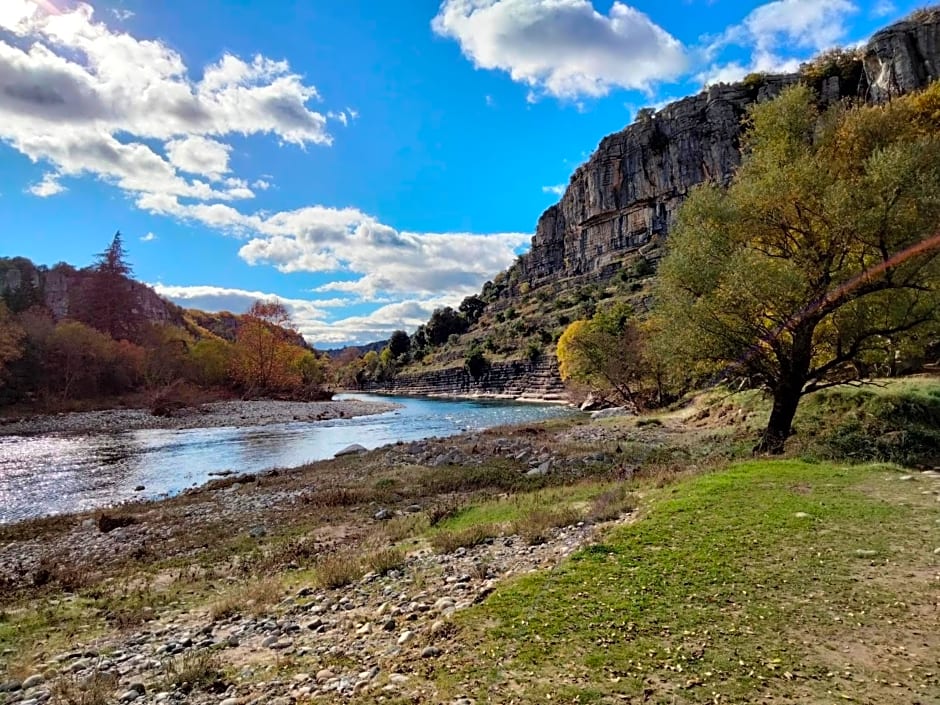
column 57, row 473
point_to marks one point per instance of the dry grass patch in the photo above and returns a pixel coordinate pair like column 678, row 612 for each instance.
column 96, row 689
column 338, row 569
column 197, row 670
column 537, row 525
column 405, row 527
column 384, row 560
column 255, row 598
column 611, row 505
column 450, row 541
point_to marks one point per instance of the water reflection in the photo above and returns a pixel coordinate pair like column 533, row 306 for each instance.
column 52, row 474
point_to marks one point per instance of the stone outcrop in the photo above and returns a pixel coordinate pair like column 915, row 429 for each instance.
column 904, row 57
column 624, row 199
column 523, row 381
column 58, row 289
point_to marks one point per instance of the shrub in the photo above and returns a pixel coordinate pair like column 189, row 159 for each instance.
column 197, row 670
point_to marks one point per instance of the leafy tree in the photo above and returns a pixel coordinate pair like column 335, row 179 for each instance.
column 476, row 363
column 12, row 338
column 211, row 361
column 263, row 351
column 76, row 358
column 444, row 322
column 604, row 352
column 821, row 252
column 399, row 343
column 311, row 369
column 472, row 308
column 109, row 302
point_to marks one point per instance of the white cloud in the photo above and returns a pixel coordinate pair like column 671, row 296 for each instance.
column 564, row 48
column 122, row 15
column 149, row 237
column 387, row 261
column 557, row 190
column 309, row 316
column 883, row 8
column 199, row 155
column 773, row 32
column 86, row 99
column 49, row 186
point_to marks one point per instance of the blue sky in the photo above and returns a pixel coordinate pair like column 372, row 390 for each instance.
column 362, row 160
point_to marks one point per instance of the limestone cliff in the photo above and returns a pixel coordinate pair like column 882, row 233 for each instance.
column 625, row 197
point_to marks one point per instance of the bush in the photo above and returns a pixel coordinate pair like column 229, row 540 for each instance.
column 476, row 363
column 533, row 352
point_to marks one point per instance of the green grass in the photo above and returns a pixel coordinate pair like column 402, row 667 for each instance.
column 724, row 594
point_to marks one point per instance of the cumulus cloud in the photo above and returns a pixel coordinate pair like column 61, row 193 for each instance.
column 149, row 237
column 563, row 48
column 556, row 190
column 199, row 155
column 383, row 260
column 775, row 29
column 49, row 186
column 87, row 99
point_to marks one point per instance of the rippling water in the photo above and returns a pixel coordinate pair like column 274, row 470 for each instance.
column 52, row 474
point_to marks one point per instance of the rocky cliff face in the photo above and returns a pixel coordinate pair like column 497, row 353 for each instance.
column 521, row 381
column 625, row 197
column 58, row 290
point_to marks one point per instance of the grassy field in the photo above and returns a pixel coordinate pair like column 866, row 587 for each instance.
column 765, row 582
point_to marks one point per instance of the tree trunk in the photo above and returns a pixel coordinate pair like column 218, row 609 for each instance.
column 786, row 399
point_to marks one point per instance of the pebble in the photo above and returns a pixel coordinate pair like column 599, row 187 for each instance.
column 405, row 637
column 803, row 515
column 430, row 652
column 33, row 681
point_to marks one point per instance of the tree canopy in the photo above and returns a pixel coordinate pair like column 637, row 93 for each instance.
column 604, row 352
column 820, row 261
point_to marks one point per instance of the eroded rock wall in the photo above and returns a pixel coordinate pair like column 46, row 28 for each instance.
column 503, row 380
column 626, row 196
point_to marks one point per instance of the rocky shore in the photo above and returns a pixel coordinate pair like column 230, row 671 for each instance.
column 259, row 627
column 216, row 414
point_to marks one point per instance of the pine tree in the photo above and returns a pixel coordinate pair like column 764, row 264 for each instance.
column 110, row 302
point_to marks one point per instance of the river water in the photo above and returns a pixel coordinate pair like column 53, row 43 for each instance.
column 57, row 473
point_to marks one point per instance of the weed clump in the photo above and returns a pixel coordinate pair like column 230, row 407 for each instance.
column 338, row 570
column 385, row 560
column 450, row 541
column 197, row 670
column 611, row 505
column 536, row 526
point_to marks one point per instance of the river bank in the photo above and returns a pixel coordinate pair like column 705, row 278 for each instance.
column 630, row 557
column 212, row 415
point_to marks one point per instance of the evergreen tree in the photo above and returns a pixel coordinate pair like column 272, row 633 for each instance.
column 109, row 302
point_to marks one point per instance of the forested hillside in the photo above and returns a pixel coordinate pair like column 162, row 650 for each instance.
column 80, row 335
